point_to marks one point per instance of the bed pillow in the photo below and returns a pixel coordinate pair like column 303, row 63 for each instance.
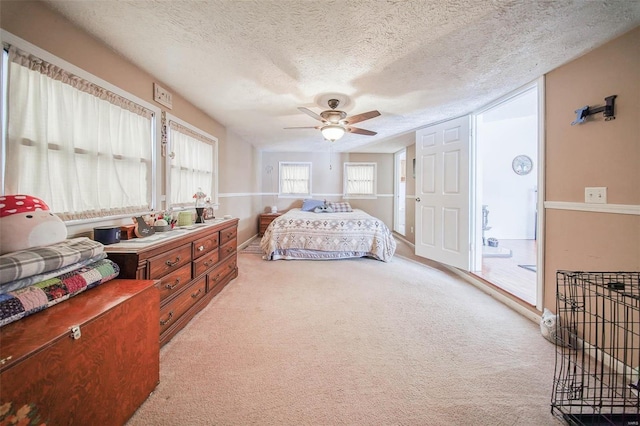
column 310, row 205
column 340, row 207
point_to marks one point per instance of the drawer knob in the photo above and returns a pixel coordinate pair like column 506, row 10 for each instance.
column 209, row 263
column 171, row 287
column 170, row 263
column 196, row 294
column 200, row 248
column 169, row 318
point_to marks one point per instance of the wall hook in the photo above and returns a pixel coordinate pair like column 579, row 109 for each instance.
column 607, row 110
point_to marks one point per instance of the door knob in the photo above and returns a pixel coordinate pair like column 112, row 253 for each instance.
column 418, row 199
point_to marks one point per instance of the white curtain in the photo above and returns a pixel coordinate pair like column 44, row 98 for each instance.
column 192, row 167
column 295, row 178
column 72, row 146
column 360, row 179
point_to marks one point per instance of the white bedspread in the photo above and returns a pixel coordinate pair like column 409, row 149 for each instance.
column 299, row 234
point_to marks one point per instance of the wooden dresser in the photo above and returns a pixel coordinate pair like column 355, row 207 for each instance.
column 96, row 374
column 191, row 265
column 265, row 220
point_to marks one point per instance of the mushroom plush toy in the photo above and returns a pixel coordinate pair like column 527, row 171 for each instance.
column 26, row 222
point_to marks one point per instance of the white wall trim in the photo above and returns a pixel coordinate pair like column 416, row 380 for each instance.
column 594, row 208
column 241, row 194
column 266, row 194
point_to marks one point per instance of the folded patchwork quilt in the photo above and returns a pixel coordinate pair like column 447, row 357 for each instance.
column 25, row 282
column 36, row 297
column 25, row 263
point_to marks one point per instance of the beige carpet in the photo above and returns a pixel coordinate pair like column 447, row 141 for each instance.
column 352, row 342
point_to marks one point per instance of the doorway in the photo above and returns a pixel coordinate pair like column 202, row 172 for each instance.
column 506, row 195
column 400, row 192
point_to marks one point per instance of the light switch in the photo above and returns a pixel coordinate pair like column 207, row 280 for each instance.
column 162, row 96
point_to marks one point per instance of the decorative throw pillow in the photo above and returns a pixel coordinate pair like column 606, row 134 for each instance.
column 323, row 209
column 310, row 205
column 340, row 207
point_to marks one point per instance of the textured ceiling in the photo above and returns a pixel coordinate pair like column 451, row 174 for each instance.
column 250, row 64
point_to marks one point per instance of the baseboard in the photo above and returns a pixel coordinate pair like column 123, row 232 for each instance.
column 246, row 243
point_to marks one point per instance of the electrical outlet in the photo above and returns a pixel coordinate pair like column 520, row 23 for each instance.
column 412, row 229
column 595, row 195
column 162, row 96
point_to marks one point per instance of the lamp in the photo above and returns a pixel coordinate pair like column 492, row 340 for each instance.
column 332, row 132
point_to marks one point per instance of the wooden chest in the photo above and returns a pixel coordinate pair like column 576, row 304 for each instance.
column 190, row 265
column 92, row 359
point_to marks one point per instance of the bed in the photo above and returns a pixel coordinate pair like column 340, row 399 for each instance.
column 324, row 235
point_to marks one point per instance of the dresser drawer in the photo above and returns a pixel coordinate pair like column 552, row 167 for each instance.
column 228, row 248
column 221, row 272
column 178, row 306
column 174, row 282
column 205, row 245
column 228, row 234
column 165, row 263
column 201, row 265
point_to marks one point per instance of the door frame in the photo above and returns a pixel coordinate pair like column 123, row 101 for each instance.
column 476, row 222
column 396, row 199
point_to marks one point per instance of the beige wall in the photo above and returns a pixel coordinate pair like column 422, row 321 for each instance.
column 595, row 153
column 238, row 160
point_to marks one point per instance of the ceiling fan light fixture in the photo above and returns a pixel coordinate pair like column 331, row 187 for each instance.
column 332, row 132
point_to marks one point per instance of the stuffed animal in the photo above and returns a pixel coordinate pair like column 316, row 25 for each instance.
column 26, row 222
column 549, row 326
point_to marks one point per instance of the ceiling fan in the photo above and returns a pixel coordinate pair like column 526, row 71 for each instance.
column 335, row 123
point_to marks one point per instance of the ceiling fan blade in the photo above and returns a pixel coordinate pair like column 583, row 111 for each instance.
column 305, row 127
column 361, row 131
column 310, row 113
column 361, row 117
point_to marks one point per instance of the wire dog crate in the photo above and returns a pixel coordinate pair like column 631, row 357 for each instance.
column 596, row 379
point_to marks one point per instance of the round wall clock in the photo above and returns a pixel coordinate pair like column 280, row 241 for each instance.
column 522, row 165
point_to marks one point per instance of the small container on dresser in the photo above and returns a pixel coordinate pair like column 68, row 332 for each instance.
column 190, row 268
column 265, row 221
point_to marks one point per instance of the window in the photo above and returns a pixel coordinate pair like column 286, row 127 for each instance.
column 359, row 180
column 193, row 162
column 295, row 179
column 85, row 148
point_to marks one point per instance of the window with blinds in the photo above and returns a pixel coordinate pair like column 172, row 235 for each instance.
column 359, row 180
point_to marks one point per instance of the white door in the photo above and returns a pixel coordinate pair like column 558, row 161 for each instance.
column 442, row 192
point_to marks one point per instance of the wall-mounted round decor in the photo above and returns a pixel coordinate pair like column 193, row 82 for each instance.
column 522, row 165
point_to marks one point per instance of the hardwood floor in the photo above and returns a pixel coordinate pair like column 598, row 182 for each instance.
column 505, row 272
